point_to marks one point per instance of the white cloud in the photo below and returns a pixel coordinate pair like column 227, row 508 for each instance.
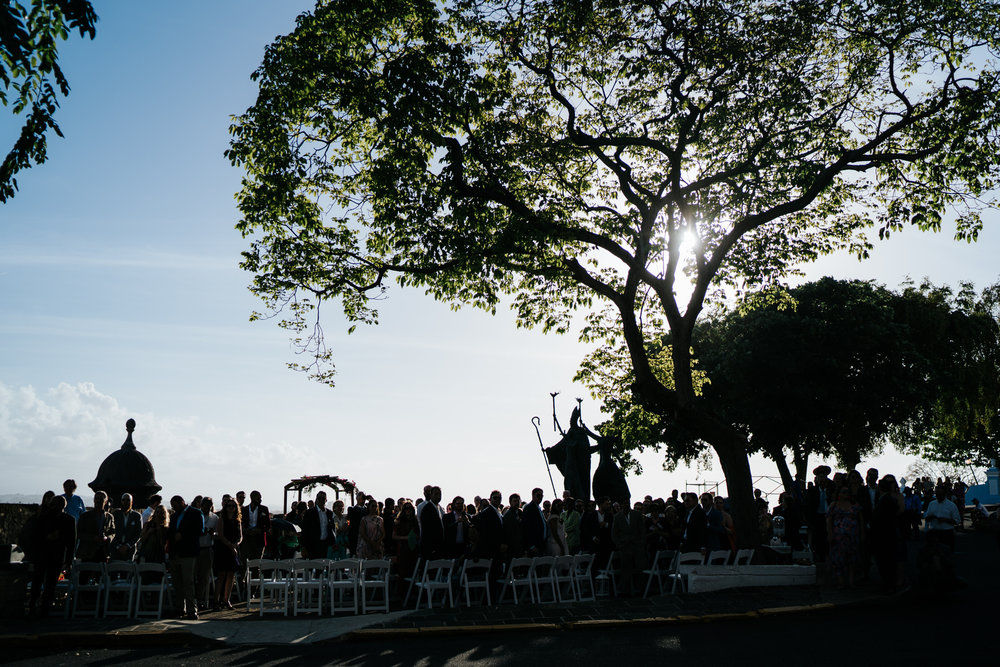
column 68, row 430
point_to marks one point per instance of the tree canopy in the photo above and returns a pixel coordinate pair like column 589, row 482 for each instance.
column 30, row 77
column 600, row 156
column 842, row 368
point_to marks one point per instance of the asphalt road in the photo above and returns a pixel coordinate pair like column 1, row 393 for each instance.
column 913, row 629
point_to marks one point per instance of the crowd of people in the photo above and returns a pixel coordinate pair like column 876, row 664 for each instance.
column 847, row 520
column 850, row 521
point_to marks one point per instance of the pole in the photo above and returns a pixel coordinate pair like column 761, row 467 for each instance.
column 537, row 422
column 555, row 420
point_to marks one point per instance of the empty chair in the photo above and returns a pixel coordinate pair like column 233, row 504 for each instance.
column 475, row 575
column 516, row 577
column 343, row 585
column 743, row 557
column 253, row 581
column 275, row 584
column 562, row 576
column 150, row 589
column 685, row 563
column 87, row 583
column 374, row 580
column 583, row 577
column 308, row 580
column 664, row 564
column 606, row 581
column 436, row 577
column 718, row 557
column 119, row 588
column 543, row 579
column 418, row 570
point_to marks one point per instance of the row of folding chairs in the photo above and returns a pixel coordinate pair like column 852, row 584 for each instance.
column 118, row 588
column 674, row 566
column 543, row 579
column 317, row 585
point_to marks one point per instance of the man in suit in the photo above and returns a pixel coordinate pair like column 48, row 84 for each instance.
column 533, row 525
column 186, row 527
column 695, row 537
column 256, row 525
column 513, row 533
column 818, row 498
column 354, row 516
column 629, row 535
column 128, row 524
column 318, row 531
column 604, row 544
column 431, row 526
column 457, row 538
column 96, row 530
column 54, row 538
column 488, row 523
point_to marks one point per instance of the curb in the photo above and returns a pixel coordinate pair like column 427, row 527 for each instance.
column 113, row 639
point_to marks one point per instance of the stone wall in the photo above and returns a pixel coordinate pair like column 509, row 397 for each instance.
column 12, row 517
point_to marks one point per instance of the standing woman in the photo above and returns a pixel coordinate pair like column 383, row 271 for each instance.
column 339, row 550
column 728, row 527
column 227, row 552
column 371, row 533
column 843, row 529
column 153, row 538
column 555, row 543
column 406, row 535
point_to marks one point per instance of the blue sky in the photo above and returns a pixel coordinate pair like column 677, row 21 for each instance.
column 121, row 296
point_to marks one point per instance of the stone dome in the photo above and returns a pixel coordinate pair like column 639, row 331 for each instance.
column 127, row 470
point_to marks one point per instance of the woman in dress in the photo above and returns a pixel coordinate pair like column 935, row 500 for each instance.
column 406, row 536
column 371, row 533
column 555, row 543
column 339, row 550
column 843, row 530
column 729, row 528
column 227, row 552
column 153, row 538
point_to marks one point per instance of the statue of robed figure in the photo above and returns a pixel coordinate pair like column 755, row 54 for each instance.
column 571, row 456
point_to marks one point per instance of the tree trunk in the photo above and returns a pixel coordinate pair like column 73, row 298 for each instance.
column 778, row 456
column 732, row 453
column 801, row 460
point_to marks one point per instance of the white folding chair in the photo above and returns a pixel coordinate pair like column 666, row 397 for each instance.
column 563, row 577
column 718, row 557
column 151, row 584
column 254, row 581
column 119, row 588
column 606, row 581
column 543, row 579
column 583, row 577
column 516, row 576
column 308, row 580
column 743, row 557
column 374, row 579
column 275, row 584
column 664, row 564
column 87, row 579
column 436, row 577
column 476, row 576
column 685, row 563
column 418, row 570
column 343, row 585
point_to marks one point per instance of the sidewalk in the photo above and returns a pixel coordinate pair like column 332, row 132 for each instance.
column 976, row 557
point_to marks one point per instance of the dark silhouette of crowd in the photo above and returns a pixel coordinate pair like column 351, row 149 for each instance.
column 846, row 520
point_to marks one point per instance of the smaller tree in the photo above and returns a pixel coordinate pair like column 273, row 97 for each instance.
column 29, row 68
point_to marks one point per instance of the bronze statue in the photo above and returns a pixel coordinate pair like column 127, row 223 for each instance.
column 571, row 455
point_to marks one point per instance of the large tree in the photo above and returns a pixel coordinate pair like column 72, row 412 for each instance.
column 30, row 77
column 842, row 368
column 575, row 155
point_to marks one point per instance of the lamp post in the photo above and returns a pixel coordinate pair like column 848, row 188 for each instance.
column 968, row 462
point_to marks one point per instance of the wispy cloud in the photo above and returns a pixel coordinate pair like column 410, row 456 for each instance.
column 122, row 258
column 67, row 431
